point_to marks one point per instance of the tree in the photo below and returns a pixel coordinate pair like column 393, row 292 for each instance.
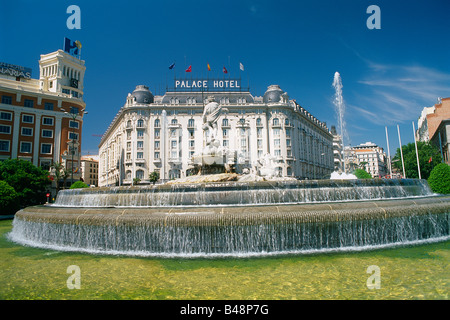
column 9, row 203
column 362, row 174
column 154, row 176
column 439, row 179
column 30, row 182
column 429, row 156
column 78, row 185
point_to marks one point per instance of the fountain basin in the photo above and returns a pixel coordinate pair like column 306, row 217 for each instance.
column 235, row 231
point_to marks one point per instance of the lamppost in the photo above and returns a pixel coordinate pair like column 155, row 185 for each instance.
column 73, row 116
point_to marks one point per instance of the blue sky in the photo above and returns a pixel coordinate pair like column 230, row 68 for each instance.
column 389, row 75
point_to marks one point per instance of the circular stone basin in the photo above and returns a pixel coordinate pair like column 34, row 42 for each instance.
column 180, row 224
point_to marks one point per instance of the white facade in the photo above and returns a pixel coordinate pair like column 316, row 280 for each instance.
column 162, row 133
column 373, row 158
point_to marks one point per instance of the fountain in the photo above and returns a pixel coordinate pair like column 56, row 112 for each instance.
column 223, row 213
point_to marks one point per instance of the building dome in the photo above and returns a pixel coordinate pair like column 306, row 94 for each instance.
column 273, row 94
column 142, row 95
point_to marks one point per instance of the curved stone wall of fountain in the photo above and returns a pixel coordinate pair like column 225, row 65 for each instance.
column 238, row 218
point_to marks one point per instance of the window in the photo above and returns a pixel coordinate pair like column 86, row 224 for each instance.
column 191, row 134
column 4, row 146
column 6, row 99
column 25, row 147
column 27, row 118
column 140, row 174
column 47, row 133
column 140, row 145
column 156, row 155
column 46, row 148
column 140, row 134
column 276, row 132
column 66, row 91
column 276, row 122
column 48, row 106
column 225, row 143
column 258, row 121
column 5, row 129
column 277, row 152
column 174, row 144
column 7, row 116
column 74, row 110
column 73, row 136
column 27, row 131
column 47, row 121
column 191, row 144
column 174, row 121
column 45, row 164
column 73, row 124
column 191, row 123
column 28, row 103
column 157, row 145
column 140, row 123
column 225, row 132
column 225, row 123
column 173, row 133
column 157, row 123
column 140, row 155
column 276, row 143
column 156, row 133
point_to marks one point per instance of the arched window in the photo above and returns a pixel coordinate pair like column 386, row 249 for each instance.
column 157, row 123
column 174, row 121
column 258, row 121
column 129, row 124
column 140, row 123
column 191, row 123
column 276, row 121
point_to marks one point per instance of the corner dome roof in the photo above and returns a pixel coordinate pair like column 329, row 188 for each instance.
column 142, row 95
column 272, row 94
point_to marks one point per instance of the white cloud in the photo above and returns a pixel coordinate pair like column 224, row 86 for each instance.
column 396, row 94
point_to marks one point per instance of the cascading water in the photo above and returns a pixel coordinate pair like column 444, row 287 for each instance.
column 238, row 219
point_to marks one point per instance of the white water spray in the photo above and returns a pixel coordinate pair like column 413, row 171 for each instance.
column 340, row 109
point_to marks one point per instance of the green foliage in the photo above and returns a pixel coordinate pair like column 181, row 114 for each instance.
column 154, row 176
column 30, row 182
column 78, row 185
column 9, row 203
column 362, row 174
column 426, row 152
column 439, row 179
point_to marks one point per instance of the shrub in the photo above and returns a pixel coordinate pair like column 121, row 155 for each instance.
column 30, row 182
column 78, row 184
column 362, row 174
column 9, row 199
column 439, row 179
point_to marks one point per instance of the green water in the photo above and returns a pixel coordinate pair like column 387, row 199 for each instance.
column 416, row 272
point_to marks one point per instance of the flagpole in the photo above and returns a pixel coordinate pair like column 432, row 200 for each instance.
column 389, row 154
column 417, row 153
column 401, row 152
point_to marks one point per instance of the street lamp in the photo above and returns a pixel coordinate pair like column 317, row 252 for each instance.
column 74, row 116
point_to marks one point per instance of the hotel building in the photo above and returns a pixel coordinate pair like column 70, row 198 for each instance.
column 41, row 119
column 162, row 133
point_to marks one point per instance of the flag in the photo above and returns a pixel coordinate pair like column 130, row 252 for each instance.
column 431, row 159
column 241, row 66
column 172, row 66
column 189, row 69
column 72, row 47
column 209, row 68
column 225, row 70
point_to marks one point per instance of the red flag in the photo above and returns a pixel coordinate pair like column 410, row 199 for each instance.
column 431, row 159
column 189, row 69
column 225, row 70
